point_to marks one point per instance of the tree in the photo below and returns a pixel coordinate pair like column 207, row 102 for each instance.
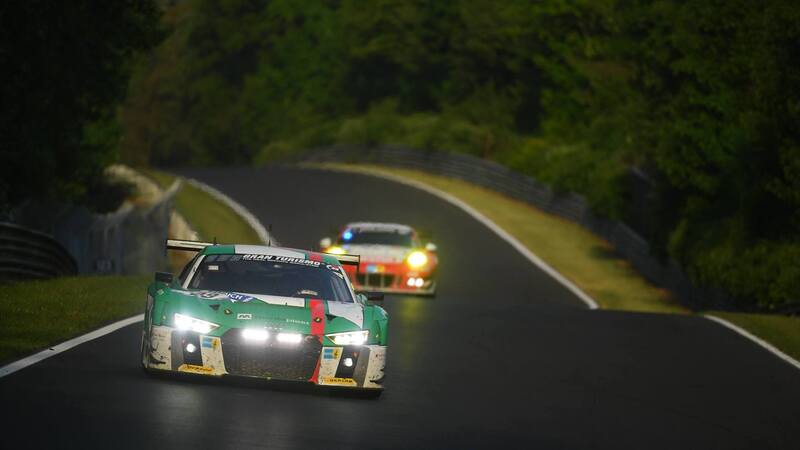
column 66, row 65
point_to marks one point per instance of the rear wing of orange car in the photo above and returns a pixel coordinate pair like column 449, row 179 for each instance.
column 186, row 245
column 347, row 260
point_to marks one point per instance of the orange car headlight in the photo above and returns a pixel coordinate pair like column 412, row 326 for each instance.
column 417, row 259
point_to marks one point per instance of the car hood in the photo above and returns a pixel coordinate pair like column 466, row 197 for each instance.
column 378, row 253
column 239, row 309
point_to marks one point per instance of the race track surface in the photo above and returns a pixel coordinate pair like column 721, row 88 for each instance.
column 503, row 357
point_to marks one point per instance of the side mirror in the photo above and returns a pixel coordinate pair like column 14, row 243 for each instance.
column 431, row 247
column 164, row 277
column 325, row 243
column 372, row 296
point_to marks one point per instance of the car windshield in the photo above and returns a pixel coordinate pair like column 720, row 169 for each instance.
column 377, row 238
column 272, row 275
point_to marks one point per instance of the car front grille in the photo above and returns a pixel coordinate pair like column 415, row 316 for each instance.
column 270, row 359
column 377, row 280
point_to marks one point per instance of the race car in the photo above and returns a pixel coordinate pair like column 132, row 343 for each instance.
column 392, row 257
column 266, row 312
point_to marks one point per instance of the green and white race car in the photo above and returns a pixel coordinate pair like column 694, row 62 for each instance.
column 266, row 312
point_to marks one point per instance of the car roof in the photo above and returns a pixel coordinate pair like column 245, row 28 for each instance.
column 238, row 249
column 379, row 226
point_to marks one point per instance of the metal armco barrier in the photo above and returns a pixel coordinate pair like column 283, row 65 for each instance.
column 573, row 207
column 129, row 241
column 26, row 254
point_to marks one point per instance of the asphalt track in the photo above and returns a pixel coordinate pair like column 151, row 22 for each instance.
column 503, row 357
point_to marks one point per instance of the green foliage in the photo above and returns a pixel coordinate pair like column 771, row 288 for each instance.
column 701, row 96
column 66, row 64
column 237, row 76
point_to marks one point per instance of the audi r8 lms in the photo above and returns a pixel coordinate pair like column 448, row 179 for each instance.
column 266, row 312
column 393, row 260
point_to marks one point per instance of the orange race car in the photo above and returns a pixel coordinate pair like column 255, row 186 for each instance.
column 392, row 258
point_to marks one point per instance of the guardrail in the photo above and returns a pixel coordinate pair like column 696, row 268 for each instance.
column 129, row 241
column 28, row 254
column 570, row 206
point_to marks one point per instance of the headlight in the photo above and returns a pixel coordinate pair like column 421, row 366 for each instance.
column 290, row 338
column 417, row 259
column 349, row 338
column 336, row 250
column 255, row 334
column 183, row 322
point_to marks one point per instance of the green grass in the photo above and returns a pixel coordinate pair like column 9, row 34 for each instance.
column 781, row 331
column 579, row 255
column 210, row 218
column 38, row 314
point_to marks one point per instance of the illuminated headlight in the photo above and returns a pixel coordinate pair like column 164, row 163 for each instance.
column 417, row 259
column 187, row 323
column 289, row 338
column 255, row 334
column 335, row 250
column 349, row 338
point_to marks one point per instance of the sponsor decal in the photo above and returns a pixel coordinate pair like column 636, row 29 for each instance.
column 373, row 268
column 244, row 316
column 195, row 369
column 282, row 259
column 209, row 342
column 213, row 267
column 335, row 269
column 331, row 353
column 337, row 381
column 299, row 322
column 234, row 297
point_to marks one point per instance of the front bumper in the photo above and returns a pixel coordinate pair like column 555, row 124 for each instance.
column 393, row 279
column 308, row 361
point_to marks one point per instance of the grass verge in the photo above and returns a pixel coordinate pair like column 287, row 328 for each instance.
column 585, row 259
column 38, row 314
column 207, row 216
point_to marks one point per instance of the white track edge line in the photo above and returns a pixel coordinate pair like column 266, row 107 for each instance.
column 64, row 346
column 757, row 340
column 503, row 234
column 243, row 212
